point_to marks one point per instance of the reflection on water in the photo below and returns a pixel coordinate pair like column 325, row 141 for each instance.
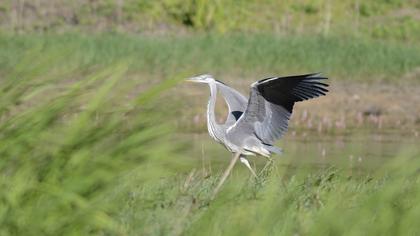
column 360, row 149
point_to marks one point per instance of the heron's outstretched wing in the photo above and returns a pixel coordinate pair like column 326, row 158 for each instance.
column 271, row 103
column 235, row 101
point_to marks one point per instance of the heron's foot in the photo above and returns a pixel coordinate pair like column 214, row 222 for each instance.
column 246, row 163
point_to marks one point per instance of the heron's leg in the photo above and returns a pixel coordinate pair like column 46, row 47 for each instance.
column 246, row 163
column 226, row 173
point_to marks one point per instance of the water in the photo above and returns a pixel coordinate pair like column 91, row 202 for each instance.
column 359, row 149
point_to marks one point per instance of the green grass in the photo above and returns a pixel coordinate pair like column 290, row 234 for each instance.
column 66, row 139
column 383, row 19
column 87, row 142
column 251, row 56
column 284, row 201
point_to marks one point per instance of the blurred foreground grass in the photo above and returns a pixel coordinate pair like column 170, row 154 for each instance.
column 86, row 145
column 66, row 139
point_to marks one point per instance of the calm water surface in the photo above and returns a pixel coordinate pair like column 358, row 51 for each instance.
column 360, row 149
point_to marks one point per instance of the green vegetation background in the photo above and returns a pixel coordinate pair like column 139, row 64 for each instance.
column 382, row 19
column 89, row 123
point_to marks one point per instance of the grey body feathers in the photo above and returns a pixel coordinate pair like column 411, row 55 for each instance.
column 254, row 124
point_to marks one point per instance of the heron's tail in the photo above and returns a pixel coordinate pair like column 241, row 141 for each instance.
column 274, row 149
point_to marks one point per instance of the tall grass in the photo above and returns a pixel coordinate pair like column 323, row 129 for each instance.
column 233, row 55
column 67, row 136
column 283, row 201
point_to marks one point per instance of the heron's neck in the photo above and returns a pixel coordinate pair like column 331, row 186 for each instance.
column 212, row 126
column 211, row 119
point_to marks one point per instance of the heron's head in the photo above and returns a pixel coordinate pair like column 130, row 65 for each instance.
column 201, row 79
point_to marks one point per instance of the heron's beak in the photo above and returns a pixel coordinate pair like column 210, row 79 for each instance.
column 193, row 79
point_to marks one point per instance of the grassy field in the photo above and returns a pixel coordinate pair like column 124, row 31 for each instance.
column 283, row 201
column 90, row 143
column 239, row 55
column 384, row 19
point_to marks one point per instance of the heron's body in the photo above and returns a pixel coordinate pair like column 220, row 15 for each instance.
column 255, row 123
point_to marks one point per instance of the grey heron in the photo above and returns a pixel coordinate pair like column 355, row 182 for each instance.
column 254, row 124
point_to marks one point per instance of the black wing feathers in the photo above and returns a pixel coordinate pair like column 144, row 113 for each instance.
column 285, row 91
column 237, row 114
